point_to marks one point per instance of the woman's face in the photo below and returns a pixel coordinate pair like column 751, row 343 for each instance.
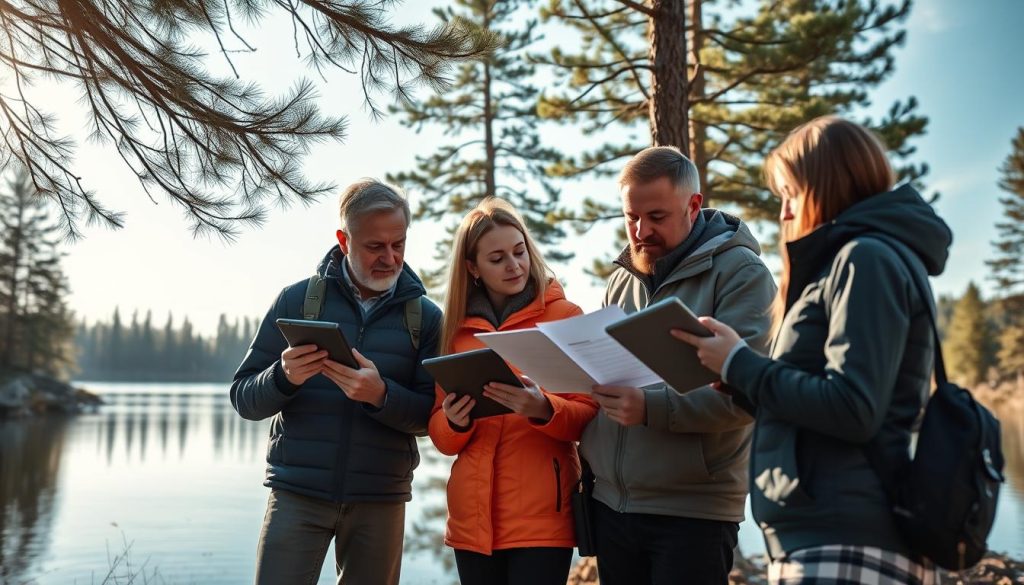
column 790, row 208
column 502, row 262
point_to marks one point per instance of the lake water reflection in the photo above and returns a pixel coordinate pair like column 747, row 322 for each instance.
column 172, row 474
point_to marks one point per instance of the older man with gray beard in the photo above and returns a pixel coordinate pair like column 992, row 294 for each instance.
column 342, row 447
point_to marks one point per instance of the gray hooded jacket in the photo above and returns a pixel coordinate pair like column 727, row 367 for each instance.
column 690, row 459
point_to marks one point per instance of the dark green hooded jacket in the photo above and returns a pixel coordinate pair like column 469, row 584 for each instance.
column 850, row 370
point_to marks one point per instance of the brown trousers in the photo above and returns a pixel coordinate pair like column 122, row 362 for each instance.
column 298, row 529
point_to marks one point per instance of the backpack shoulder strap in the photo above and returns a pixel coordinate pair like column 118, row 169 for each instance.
column 887, row 473
column 316, row 288
column 414, row 320
column 314, row 301
column 924, row 290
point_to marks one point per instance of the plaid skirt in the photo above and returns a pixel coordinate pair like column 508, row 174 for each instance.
column 849, row 565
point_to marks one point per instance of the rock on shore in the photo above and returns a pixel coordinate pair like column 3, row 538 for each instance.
column 29, row 394
column 995, row 569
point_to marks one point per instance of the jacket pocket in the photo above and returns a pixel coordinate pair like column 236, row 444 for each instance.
column 658, row 461
column 779, row 481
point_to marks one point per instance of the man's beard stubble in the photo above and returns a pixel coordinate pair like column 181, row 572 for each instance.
column 365, row 277
column 642, row 259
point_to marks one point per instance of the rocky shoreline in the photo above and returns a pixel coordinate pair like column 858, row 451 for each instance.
column 32, row 394
column 994, row 569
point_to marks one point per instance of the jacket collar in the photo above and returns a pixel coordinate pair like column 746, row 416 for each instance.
column 721, row 232
column 408, row 286
column 535, row 309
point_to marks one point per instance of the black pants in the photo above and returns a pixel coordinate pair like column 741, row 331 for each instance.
column 657, row 550
column 515, row 566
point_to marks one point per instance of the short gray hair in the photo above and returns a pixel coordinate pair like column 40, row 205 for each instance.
column 651, row 164
column 367, row 196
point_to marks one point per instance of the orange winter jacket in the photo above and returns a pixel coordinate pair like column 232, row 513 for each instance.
column 511, row 483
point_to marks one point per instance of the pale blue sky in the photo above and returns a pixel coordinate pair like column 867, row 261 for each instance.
column 963, row 61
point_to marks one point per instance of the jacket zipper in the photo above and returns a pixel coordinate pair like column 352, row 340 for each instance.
column 558, row 484
column 619, row 456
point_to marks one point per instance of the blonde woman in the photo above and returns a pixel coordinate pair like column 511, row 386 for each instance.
column 509, row 519
column 851, row 361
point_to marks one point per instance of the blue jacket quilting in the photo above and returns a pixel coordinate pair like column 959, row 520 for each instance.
column 322, row 444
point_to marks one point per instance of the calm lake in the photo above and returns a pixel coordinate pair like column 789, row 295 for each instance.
column 165, row 482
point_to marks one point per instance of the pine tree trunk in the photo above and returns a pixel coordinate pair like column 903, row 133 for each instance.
column 490, row 184
column 668, row 105
column 698, row 131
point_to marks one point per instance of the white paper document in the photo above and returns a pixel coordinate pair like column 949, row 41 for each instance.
column 572, row 355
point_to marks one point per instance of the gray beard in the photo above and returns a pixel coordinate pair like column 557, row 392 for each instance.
column 375, row 284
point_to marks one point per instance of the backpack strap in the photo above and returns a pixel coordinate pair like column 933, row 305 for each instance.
column 884, row 469
column 413, row 320
column 924, row 290
column 314, row 301
column 316, row 288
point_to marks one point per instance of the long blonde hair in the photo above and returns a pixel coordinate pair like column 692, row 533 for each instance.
column 490, row 213
column 831, row 164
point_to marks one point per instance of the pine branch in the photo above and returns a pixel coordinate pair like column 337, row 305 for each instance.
column 215, row 147
column 637, row 7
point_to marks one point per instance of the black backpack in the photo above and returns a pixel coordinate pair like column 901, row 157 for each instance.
column 945, row 500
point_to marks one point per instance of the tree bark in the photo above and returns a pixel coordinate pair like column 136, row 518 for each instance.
column 669, row 104
column 490, row 185
column 698, row 131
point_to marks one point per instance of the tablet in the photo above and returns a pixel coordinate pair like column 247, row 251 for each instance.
column 467, row 372
column 646, row 335
column 323, row 334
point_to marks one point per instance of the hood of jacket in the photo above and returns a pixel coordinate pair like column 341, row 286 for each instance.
column 901, row 214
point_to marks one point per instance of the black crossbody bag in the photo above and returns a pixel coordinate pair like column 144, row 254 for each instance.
column 582, row 511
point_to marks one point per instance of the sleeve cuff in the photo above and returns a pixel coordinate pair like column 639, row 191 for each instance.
column 747, row 366
column 656, row 405
column 371, row 409
column 281, row 381
column 459, row 429
column 540, row 424
column 728, row 359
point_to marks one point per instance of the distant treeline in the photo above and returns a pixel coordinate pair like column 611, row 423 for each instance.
column 983, row 339
column 139, row 351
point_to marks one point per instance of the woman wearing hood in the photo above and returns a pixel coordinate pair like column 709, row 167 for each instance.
column 850, row 365
column 509, row 518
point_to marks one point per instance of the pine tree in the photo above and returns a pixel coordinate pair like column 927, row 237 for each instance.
column 1011, row 353
column 724, row 85
column 968, row 349
column 36, row 327
column 1008, row 265
column 148, row 362
column 169, row 345
column 214, row 146
column 495, row 150
column 114, row 361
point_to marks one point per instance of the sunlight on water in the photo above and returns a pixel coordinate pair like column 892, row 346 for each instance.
column 172, row 472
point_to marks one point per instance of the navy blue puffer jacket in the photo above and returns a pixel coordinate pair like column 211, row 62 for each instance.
column 322, row 444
